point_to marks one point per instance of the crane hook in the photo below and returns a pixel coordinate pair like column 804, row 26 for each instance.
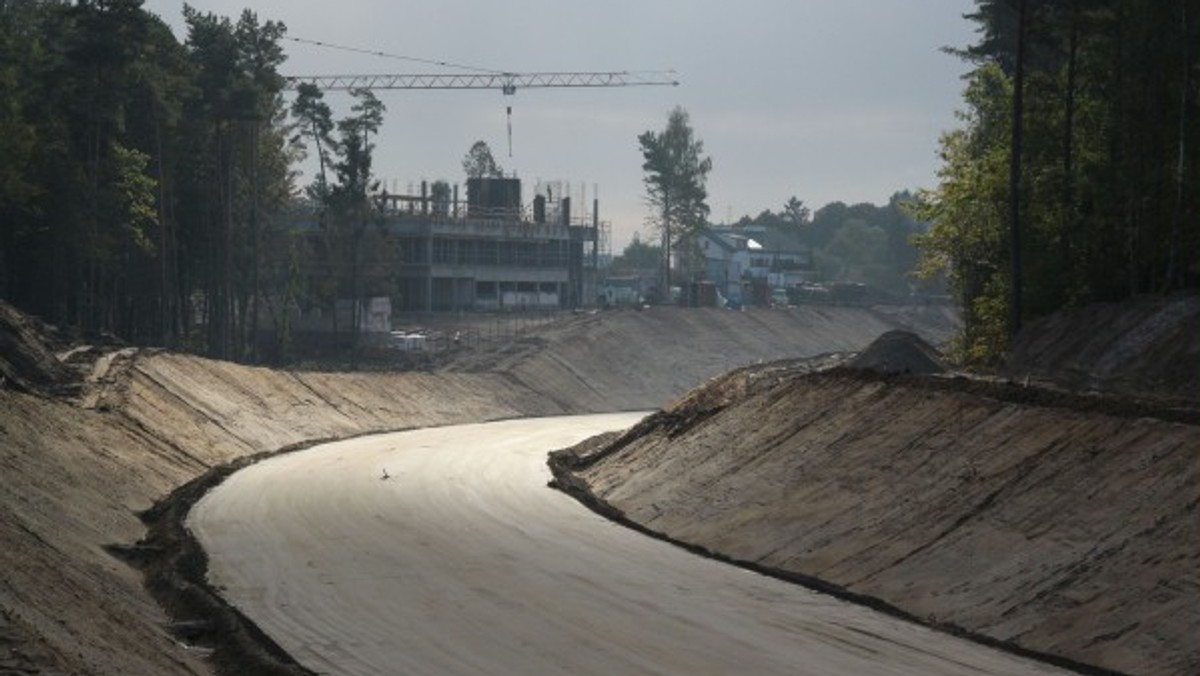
column 510, row 131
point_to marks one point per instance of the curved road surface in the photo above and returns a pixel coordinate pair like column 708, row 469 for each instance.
column 463, row 562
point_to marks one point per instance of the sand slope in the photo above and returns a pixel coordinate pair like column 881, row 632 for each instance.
column 83, row 451
column 1062, row 525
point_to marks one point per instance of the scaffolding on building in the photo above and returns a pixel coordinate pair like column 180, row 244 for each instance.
column 490, row 251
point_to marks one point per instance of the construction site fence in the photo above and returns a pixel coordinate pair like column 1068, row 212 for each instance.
column 441, row 332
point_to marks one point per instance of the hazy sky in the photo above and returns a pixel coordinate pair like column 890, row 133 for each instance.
column 826, row 100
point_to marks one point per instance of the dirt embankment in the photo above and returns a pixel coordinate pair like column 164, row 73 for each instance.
column 91, row 439
column 640, row 360
column 1146, row 347
column 75, row 480
column 1062, row 525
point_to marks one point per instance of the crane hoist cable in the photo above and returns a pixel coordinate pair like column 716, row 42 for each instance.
column 387, row 55
column 478, row 78
column 506, row 81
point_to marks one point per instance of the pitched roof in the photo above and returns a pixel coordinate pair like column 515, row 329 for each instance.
column 725, row 240
column 768, row 239
column 779, row 240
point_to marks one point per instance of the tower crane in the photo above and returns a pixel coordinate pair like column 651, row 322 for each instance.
column 482, row 78
column 479, row 78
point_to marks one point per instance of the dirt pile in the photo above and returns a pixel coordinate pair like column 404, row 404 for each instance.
column 1045, row 522
column 899, row 352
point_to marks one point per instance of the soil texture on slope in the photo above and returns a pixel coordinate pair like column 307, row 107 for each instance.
column 95, row 437
column 1050, row 523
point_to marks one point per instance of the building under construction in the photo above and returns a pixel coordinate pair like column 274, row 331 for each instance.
column 492, row 251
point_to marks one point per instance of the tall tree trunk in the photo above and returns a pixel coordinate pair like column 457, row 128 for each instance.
column 227, row 333
column 1014, row 175
column 164, row 293
column 1068, row 225
column 218, row 303
column 91, row 283
column 666, row 225
column 1174, row 279
column 255, row 235
column 356, row 288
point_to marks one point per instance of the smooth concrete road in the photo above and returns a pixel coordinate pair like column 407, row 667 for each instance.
column 464, row 562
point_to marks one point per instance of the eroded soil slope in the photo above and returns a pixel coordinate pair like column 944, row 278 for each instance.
column 1061, row 525
column 1146, row 347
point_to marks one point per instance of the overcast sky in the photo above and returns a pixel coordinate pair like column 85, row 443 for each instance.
column 827, row 100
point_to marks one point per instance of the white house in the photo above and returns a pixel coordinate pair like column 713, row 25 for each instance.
column 725, row 261
column 779, row 258
column 754, row 255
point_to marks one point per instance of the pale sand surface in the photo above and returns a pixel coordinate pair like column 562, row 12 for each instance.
column 464, row 562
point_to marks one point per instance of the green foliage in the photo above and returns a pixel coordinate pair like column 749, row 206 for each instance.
column 480, row 163
column 858, row 246
column 314, row 122
column 966, row 240
column 351, row 259
column 861, row 243
column 353, row 168
column 676, row 173
column 138, row 175
column 1109, row 157
column 638, row 255
column 18, row 140
column 233, row 132
column 134, row 197
column 352, row 203
column 795, row 213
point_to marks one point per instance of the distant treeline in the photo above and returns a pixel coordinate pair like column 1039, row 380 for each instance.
column 1110, row 194
column 862, row 243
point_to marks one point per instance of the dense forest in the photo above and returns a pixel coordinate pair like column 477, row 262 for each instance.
column 138, row 171
column 1107, row 197
column 145, row 183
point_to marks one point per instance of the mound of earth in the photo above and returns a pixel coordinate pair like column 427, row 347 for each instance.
column 899, row 352
column 1053, row 524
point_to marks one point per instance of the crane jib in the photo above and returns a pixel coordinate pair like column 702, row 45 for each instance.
column 506, row 82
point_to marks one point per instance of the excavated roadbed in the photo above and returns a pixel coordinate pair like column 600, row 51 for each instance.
column 96, row 438
column 1063, row 526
